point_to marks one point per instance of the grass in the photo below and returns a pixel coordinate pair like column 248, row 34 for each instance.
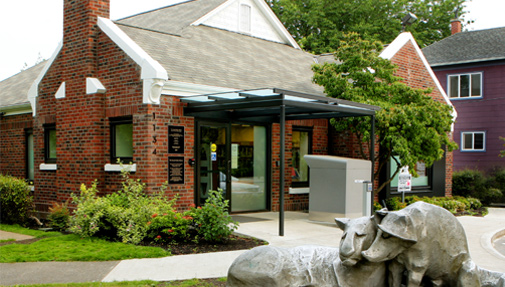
column 145, row 283
column 55, row 246
column 26, row 231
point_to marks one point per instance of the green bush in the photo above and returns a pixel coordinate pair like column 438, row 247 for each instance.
column 171, row 227
column 473, row 183
column 213, row 221
column 395, row 203
column 122, row 215
column 456, row 205
column 15, row 200
column 59, row 216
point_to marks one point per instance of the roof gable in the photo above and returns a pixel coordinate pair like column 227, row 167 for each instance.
column 222, row 14
column 401, row 42
column 468, row 47
column 250, row 17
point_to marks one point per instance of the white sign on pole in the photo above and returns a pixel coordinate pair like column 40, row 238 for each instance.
column 404, row 180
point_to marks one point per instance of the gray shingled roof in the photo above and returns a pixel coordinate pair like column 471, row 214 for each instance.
column 200, row 54
column 467, row 47
column 209, row 56
column 172, row 19
column 14, row 90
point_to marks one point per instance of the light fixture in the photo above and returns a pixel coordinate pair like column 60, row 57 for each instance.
column 408, row 20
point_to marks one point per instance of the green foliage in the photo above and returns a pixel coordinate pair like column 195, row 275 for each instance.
column 377, row 206
column 132, row 216
column 213, row 221
column 15, row 200
column 474, row 183
column 171, row 227
column 410, row 125
column 122, row 215
column 59, row 216
column 395, row 203
column 455, row 205
column 319, row 25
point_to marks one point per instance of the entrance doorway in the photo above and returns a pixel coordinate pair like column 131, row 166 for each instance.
column 233, row 158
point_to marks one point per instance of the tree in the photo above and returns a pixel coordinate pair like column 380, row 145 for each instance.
column 319, row 25
column 411, row 126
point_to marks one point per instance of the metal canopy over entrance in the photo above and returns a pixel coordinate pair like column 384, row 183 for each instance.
column 275, row 106
column 262, row 105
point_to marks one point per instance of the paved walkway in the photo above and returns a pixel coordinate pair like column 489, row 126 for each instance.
column 298, row 231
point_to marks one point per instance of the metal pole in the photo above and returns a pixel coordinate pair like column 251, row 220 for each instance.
column 282, row 171
column 372, row 157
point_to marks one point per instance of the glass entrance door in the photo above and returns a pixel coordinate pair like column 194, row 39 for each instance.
column 248, row 168
column 233, row 159
column 213, row 160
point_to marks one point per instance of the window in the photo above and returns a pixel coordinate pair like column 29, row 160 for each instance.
column 473, row 141
column 465, row 85
column 121, row 140
column 245, row 18
column 29, row 155
column 302, row 145
column 50, row 143
column 422, row 181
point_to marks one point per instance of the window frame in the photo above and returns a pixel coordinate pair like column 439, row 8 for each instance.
column 415, row 188
column 462, row 141
column 309, row 131
column 28, row 158
column 242, row 26
column 48, row 128
column 458, row 97
column 114, row 122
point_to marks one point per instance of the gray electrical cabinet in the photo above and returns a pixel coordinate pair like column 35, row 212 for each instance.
column 336, row 187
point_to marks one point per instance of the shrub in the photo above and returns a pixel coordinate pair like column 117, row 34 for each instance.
column 213, row 221
column 473, row 183
column 395, row 203
column 122, row 215
column 171, row 227
column 15, row 200
column 59, row 216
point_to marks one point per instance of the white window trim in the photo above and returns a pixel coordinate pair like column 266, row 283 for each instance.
column 459, row 86
column 473, row 141
column 299, row 190
column 48, row 166
column 117, row 167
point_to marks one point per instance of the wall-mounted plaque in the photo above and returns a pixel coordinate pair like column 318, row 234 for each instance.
column 176, row 170
column 175, row 139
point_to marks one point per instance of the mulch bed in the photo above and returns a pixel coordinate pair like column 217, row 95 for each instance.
column 235, row 242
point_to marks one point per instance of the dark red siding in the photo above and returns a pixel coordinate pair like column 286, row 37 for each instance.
column 480, row 114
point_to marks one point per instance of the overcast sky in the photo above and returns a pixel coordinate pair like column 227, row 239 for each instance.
column 30, row 29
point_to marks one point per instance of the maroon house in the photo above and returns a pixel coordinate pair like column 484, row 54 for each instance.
column 471, row 68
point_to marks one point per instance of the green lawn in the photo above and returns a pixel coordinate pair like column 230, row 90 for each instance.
column 55, row 246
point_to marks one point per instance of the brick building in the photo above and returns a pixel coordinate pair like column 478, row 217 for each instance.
column 182, row 94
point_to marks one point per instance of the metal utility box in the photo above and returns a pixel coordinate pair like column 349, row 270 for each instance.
column 336, row 187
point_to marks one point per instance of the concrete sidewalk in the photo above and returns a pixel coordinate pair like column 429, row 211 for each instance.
column 298, row 231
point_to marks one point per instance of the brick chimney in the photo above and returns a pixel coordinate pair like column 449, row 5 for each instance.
column 80, row 32
column 455, row 26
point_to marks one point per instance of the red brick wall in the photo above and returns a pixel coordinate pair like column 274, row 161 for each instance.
column 13, row 144
column 414, row 73
column 83, row 121
column 319, row 146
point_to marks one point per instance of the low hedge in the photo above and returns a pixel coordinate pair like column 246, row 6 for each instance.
column 457, row 205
